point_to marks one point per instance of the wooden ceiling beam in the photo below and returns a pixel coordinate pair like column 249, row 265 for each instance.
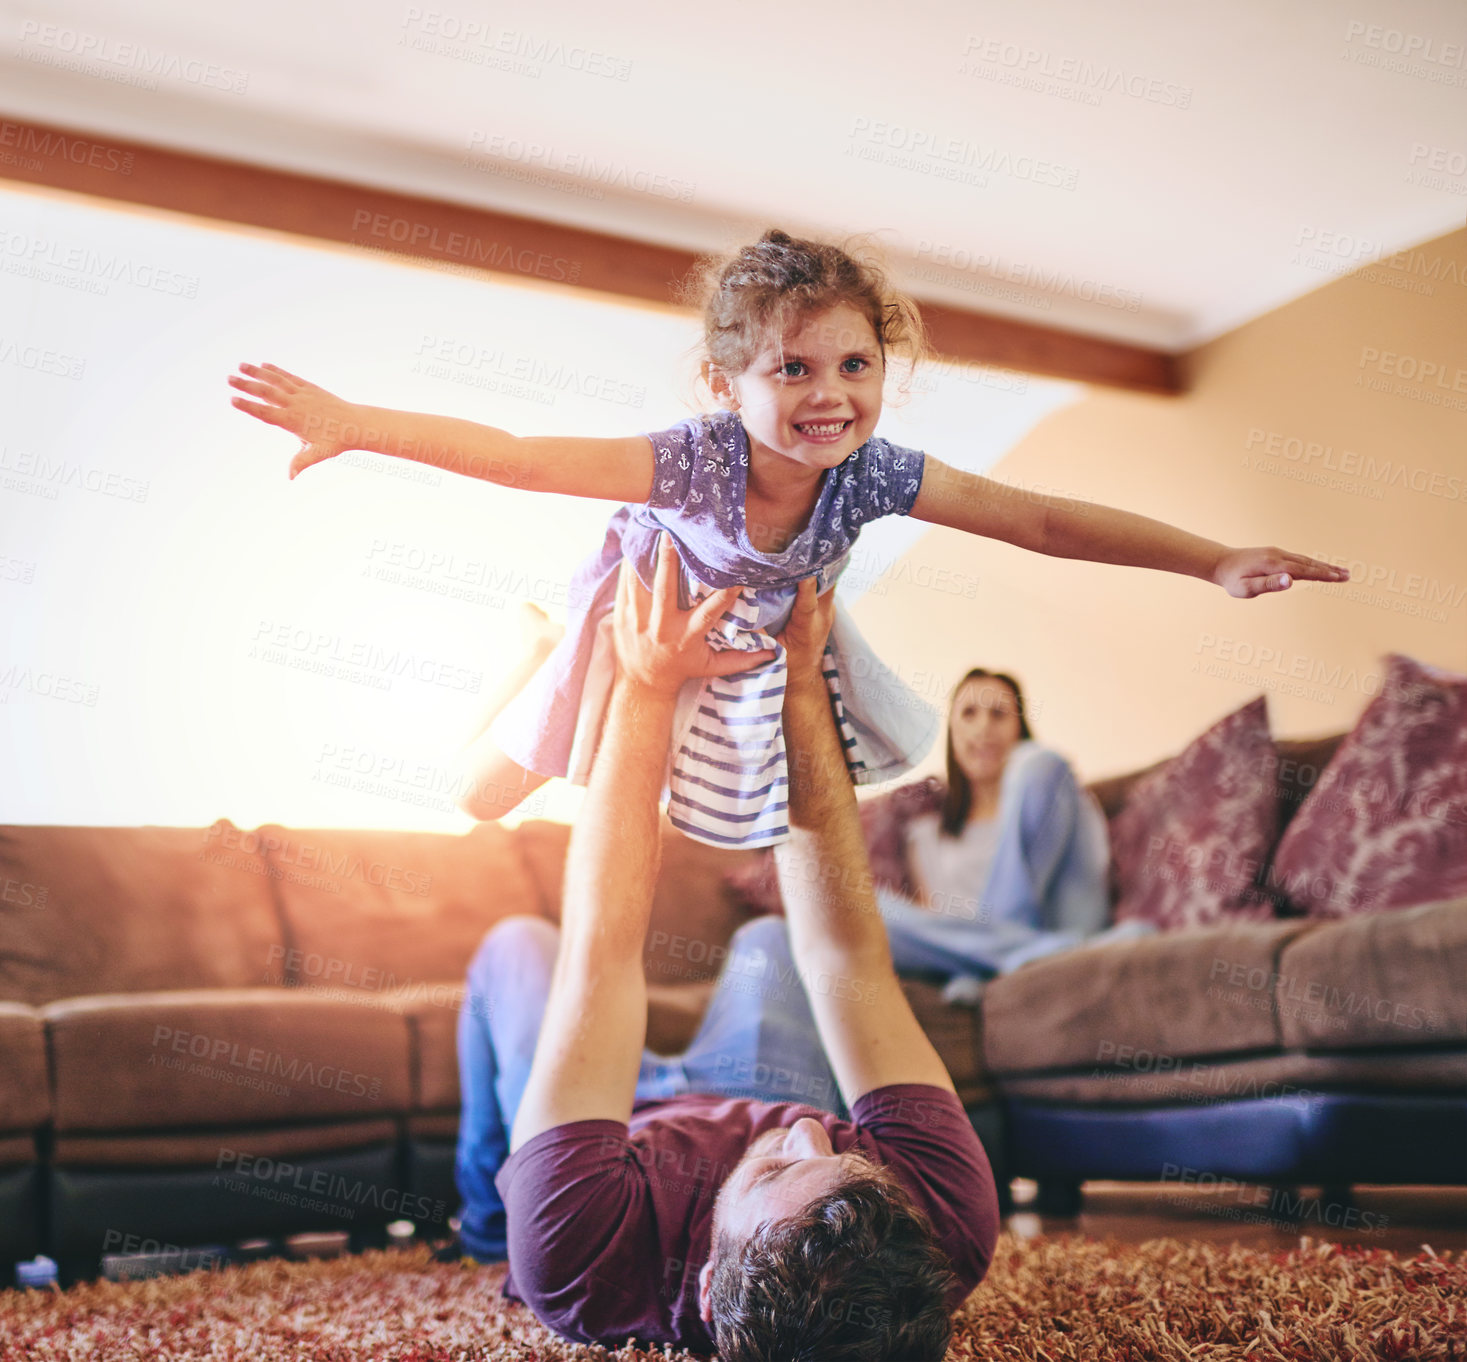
column 501, row 243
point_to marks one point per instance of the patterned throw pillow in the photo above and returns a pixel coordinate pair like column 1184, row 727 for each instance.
column 1386, row 824
column 884, row 822
column 1189, row 847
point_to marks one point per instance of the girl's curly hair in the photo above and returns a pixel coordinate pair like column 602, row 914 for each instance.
column 779, row 281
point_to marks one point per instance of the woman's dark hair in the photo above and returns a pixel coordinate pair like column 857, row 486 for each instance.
column 782, row 280
column 959, row 797
column 856, row 1276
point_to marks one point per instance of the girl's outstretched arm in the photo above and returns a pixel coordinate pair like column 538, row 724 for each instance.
column 327, row 425
column 1065, row 528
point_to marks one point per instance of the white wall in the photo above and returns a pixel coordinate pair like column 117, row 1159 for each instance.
column 188, row 634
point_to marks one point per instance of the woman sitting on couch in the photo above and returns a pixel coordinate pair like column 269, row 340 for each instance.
column 1006, row 862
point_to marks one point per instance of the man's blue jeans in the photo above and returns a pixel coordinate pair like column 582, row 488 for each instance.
column 757, row 1040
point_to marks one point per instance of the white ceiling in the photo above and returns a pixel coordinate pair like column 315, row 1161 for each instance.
column 1187, row 220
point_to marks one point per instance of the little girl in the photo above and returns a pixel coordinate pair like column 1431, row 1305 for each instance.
column 771, row 488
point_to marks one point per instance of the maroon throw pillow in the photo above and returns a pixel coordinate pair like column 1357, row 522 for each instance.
column 1188, row 848
column 1385, row 826
column 884, row 822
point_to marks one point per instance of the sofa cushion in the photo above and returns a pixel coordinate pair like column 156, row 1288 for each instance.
column 1386, row 824
column 374, row 910
column 434, row 1023
column 15, row 1152
column 543, row 844
column 139, row 1061
column 230, row 1151
column 1194, row 836
column 1386, row 980
column 107, row 910
column 25, row 1090
column 956, row 1034
column 1168, row 995
column 1300, row 762
column 674, row 1014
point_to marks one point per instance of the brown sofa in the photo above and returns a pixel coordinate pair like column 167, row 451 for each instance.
column 212, row 1034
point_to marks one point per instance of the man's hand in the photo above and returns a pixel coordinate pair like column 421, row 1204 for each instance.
column 809, row 624
column 661, row 646
column 324, row 423
column 1256, row 572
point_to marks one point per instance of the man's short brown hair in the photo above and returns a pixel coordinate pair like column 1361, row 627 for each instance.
column 856, row 1276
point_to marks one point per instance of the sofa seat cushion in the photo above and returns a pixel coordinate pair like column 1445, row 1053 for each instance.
column 107, row 910
column 166, row 1061
column 438, row 1127
column 25, row 1090
column 17, row 1151
column 674, row 1014
column 434, row 1019
column 1387, row 980
column 956, row 1034
column 229, row 1150
column 1167, row 994
column 371, row 910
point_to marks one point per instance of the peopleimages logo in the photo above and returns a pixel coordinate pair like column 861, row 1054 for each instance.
column 490, row 255
column 1070, row 77
column 43, row 142
column 342, row 863
column 1316, row 456
column 74, row 49
column 1413, row 46
column 252, row 1066
column 948, row 157
column 317, row 1189
column 1280, row 1203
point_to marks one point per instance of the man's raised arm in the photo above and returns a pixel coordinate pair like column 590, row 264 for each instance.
column 590, row 1045
column 837, row 936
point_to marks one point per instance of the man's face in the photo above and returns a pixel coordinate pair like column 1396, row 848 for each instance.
column 781, row 1173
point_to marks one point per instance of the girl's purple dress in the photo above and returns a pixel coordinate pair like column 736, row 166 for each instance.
column 727, row 775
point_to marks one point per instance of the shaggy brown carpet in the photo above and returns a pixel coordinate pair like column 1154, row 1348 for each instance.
column 1051, row 1300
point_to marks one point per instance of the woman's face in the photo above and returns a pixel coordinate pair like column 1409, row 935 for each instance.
column 984, row 727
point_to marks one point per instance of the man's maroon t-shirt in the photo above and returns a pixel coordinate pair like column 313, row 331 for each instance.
column 609, row 1224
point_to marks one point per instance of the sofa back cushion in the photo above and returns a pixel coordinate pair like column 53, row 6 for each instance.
column 1301, row 761
column 121, row 910
column 25, row 1093
column 1194, row 836
column 1386, row 824
column 376, row 910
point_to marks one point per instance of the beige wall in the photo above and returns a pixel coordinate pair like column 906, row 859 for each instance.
column 1122, row 665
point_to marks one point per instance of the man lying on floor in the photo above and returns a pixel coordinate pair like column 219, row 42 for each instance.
column 673, row 1200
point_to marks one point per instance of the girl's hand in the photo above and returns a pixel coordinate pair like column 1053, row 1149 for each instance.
column 662, row 646
column 1252, row 572
column 324, row 423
